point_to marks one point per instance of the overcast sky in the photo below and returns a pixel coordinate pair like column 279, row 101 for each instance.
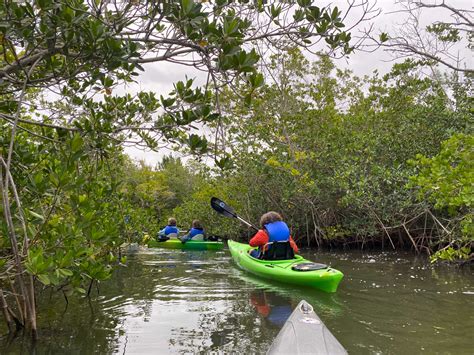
column 159, row 77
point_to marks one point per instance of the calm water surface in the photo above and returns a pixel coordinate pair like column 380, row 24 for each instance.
column 168, row 301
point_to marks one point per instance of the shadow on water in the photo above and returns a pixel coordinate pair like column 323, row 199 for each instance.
column 172, row 301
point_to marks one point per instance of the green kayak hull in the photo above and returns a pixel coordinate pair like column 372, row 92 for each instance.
column 191, row 245
column 281, row 270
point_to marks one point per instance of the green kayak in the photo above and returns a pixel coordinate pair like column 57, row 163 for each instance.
column 191, row 245
column 324, row 278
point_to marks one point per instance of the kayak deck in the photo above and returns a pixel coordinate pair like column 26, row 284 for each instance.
column 190, row 245
column 305, row 333
column 326, row 279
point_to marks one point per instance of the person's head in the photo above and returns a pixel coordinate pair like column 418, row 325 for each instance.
column 172, row 222
column 197, row 224
column 270, row 217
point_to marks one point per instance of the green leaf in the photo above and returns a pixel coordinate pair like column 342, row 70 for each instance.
column 43, row 4
column 304, row 3
column 187, row 6
column 36, row 215
column 76, row 142
column 44, row 279
column 383, row 37
column 298, row 15
column 275, row 11
column 80, row 290
column 65, row 272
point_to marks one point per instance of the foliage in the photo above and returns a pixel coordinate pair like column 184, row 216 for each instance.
column 84, row 49
column 451, row 254
column 447, row 177
column 71, row 210
column 97, row 43
column 446, row 181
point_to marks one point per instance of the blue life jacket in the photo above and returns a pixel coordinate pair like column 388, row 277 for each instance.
column 191, row 234
column 278, row 231
column 194, row 232
column 170, row 229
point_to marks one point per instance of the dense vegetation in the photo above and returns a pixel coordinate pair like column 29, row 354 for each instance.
column 347, row 160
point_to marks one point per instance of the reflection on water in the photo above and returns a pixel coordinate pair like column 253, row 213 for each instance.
column 173, row 301
column 272, row 307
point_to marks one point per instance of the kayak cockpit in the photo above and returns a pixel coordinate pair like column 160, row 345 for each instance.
column 275, row 251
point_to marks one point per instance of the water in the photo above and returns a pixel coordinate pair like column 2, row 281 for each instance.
column 168, row 301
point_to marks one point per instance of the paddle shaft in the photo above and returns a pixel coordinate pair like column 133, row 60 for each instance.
column 246, row 223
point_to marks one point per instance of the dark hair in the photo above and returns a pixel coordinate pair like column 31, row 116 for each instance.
column 172, row 221
column 197, row 224
column 270, row 217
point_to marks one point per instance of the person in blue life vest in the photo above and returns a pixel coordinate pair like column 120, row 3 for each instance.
column 195, row 233
column 169, row 231
column 273, row 229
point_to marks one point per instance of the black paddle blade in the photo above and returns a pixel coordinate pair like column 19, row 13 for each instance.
column 220, row 207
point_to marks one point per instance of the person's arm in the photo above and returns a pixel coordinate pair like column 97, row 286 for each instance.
column 293, row 245
column 185, row 237
column 162, row 232
column 259, row 239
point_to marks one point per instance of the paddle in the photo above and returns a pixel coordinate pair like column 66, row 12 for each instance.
column 222, row 208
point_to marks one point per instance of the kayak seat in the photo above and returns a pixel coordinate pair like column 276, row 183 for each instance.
column 164, row 238
column 278, row 251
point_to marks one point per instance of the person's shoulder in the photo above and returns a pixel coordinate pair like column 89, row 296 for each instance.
column 261, row 233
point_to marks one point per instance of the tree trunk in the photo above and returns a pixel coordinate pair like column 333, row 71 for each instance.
column 3, row 304
column 27, row 293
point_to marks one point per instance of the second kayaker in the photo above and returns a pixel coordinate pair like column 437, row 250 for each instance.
column 273, row 229
column 195, row 233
